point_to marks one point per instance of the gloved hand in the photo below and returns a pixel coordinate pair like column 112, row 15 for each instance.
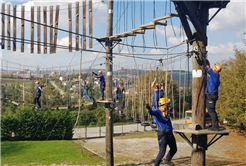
column 207, row 63
column 147, row 107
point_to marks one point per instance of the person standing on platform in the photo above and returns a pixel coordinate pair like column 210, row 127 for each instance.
column 38, row 93
column 212, row 92
column 120, row 91
column 165, row 130
column 101, row 82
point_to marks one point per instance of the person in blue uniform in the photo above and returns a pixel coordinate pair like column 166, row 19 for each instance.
column 165, row 135
column 101, row 82
column 120, row 91
column 85, row 93
column 212, row 92
column 156, row 87
column 38, row 94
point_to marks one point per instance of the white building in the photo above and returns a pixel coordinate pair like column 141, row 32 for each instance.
column 24, row 74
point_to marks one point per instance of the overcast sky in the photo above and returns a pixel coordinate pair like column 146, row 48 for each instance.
column 224, row 32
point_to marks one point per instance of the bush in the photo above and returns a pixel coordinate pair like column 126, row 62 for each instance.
column 28, row 124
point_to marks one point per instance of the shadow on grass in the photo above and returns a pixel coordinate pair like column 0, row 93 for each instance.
column 9, row 148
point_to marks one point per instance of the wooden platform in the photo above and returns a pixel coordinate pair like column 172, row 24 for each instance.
column 202, row 132
column 104, row 101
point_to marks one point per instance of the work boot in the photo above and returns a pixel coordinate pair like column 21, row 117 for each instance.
column 167, row 163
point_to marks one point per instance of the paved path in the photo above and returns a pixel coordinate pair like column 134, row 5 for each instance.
column 56, row 87
column 100, row 131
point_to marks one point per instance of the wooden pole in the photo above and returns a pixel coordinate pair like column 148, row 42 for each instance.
column 22, row 27
column 77, row 26
column 38, row 29
column 70, row 26
column 32, row 29
column 199, row 79
column 3, row 25
column 51, row 29
column 90, row 23
column 109, row 69
column 84, row 24
column 56, row 26
column 14, row 28
column 45, row 29
column 8, row 27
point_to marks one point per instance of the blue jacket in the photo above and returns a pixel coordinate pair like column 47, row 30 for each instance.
column 101, row 79
column 162, row 120
column 213, row 82
column 119, row 91
column 156, row 98
column 38, row 90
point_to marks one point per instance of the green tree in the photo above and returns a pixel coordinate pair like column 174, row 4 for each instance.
column 232, row 99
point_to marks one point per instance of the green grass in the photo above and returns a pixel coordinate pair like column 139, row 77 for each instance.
column 45, row 152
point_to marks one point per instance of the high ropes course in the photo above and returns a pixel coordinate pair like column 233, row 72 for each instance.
column 136, row 77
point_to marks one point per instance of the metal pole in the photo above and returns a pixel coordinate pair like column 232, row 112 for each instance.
column 109, row 69
column 23, row 94
column 79, row 80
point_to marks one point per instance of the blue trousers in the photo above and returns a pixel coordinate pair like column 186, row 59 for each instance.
column 85, row 94
column 36, row 99
column 102, row 87
column 163, row 141
column 211, row 102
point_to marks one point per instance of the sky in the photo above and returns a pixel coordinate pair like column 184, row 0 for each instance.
column 225, row 32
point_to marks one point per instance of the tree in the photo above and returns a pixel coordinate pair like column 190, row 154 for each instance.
column 232, row 99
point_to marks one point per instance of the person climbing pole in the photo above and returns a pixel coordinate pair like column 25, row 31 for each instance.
column 165, row 135
column 101, row 82
column 39, row 88
column 120, row 91
column 212, row 91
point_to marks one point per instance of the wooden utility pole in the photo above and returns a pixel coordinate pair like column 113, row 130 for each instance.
column 199, row 80
column 108, row 74
column 198, row 12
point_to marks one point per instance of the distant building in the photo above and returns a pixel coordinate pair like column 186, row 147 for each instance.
column 66, row 83
column 53, row 74
column 39, row 75
column 24, row 74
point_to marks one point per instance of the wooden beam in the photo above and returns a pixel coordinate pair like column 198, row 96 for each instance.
column 147, row 26
column 15, row 103
column 130, row 33
column 120, row 35
column 77, row 26
column 38, row 29
column 14, row 28
column 45, row 29
column 90, row 23
column 164, row 23
column 165, row 17
column 22, row 27
column 3, row 25
column 70, row 26
column 193, row 17
column 56, row 26
column 184, row 22
column 138, row 31
column 8, row 27
column 51, row 29
column 84, row 24
column 32, row 30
